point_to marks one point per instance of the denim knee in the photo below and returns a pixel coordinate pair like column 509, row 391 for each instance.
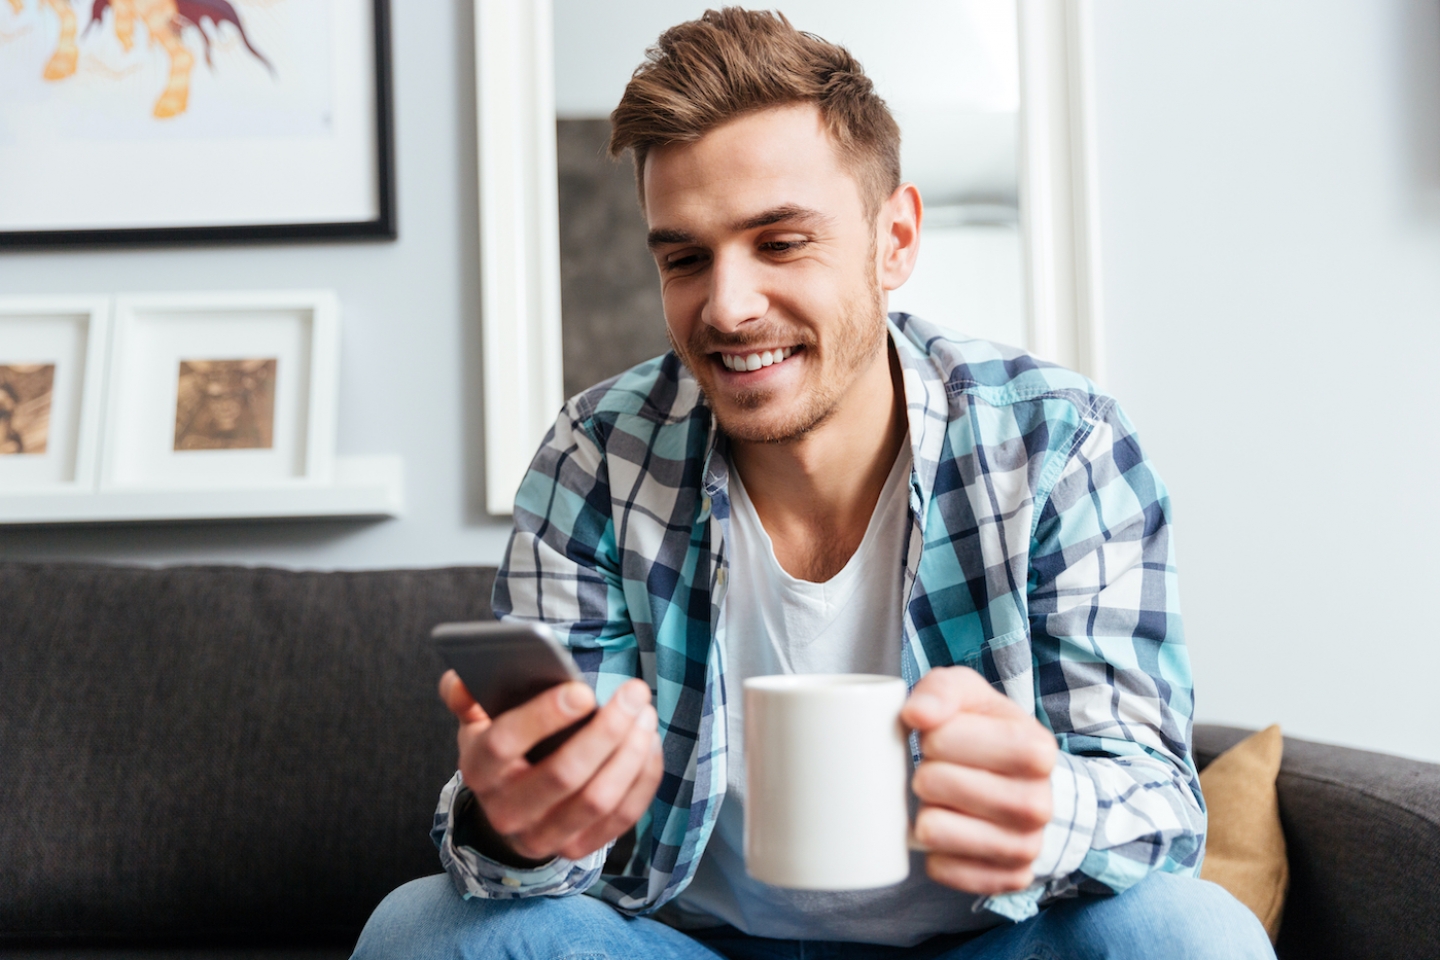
column 427, row 919
column 1163, row 915
column 412, row 919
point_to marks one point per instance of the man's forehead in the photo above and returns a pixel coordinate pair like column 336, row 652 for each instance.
column 749, row 167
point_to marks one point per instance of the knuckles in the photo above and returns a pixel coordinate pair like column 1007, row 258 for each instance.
column 499, row 744
column 1035, row 755
column 1033, row 811
column 563, row 774
column 598, row 800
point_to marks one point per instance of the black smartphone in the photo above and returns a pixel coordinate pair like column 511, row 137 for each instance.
column 506, row 664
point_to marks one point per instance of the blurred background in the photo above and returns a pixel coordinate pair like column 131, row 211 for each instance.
column 1269, row 209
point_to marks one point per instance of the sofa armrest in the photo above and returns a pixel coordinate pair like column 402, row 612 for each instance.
column 1363, row 836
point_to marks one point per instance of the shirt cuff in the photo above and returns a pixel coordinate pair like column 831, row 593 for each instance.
column 476, row 875
column 1064, row 846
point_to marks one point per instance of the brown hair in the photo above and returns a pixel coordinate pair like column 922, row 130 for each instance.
column 704, row 73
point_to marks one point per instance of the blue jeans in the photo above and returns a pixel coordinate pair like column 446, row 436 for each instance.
column 1163, row 916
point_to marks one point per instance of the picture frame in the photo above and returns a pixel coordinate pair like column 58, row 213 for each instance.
column 221, row 390
column 53, row 354
column 282, row 137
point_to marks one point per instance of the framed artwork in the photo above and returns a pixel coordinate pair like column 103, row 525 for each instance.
column 163, row 121
column 52, row 366
column 213, row 390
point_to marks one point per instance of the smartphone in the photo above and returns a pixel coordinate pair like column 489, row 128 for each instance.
column 506, row 664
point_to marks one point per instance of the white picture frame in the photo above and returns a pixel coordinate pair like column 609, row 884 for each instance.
column 229, row 352
column 69, row 335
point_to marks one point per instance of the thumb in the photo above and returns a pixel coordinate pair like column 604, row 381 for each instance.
column 946, row 691
column 458, row 700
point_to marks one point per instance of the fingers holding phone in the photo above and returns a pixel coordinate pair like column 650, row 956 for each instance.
column 570, row 803
column 633, row 774
column 551, row 773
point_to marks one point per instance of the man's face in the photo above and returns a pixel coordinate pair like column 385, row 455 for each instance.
column 767, row 266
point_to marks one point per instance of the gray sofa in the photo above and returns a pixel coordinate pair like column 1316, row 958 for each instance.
column 228, row 762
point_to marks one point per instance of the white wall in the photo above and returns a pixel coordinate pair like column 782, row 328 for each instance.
column 1270, row 195
column 410, row 343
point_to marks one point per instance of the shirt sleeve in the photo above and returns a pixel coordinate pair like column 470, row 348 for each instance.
column 559, row 570
column 1113, row 676
column 476, row 875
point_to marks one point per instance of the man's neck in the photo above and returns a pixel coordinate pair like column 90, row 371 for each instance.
column 815, row 495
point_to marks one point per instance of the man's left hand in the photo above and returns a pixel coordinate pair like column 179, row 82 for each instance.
column 983, row 782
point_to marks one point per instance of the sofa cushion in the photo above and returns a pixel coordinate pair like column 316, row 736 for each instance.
column 1244, row 843
column 1362, row 831
column 228, row 754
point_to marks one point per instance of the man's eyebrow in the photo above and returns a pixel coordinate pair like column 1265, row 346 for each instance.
column 785, row 213
column 660, row 238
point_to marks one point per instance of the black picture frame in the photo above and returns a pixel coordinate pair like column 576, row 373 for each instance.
column 382, row 227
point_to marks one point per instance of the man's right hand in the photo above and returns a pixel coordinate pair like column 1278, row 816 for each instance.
column 579, row 798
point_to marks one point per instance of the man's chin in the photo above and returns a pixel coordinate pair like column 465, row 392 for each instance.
column 756, row 415
column 762, row 425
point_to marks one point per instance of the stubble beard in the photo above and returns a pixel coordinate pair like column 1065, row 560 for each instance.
column 858, row 338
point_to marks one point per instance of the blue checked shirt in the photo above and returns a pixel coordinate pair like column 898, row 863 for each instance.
column 1039, row 554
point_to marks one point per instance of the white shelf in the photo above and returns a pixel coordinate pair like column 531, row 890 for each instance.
column 362, row 487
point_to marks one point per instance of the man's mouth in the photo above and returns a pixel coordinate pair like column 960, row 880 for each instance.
column 745, row 362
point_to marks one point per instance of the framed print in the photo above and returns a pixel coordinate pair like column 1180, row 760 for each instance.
column 52, row 367
column 133, row 121
column 232, row 390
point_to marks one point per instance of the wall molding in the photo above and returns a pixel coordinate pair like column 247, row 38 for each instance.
column 519, row 237
column 1059, row 206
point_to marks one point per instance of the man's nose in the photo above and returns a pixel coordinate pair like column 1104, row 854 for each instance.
column 735, row 294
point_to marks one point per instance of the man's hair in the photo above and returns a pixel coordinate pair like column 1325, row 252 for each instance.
column 731, row 62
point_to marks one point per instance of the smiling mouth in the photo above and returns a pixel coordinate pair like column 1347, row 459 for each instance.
column 746, row 362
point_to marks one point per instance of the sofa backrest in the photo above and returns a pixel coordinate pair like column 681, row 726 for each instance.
column 218, row 753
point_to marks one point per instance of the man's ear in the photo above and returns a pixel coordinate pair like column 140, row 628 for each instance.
column 898, row 235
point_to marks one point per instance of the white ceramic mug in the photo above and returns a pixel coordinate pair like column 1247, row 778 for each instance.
column 826, row 772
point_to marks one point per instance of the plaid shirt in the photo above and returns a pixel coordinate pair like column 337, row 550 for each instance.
column 1039, row 554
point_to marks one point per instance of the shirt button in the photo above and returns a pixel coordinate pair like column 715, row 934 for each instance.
column 510, row 881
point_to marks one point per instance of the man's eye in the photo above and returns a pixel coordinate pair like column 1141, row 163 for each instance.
column 683, row 262
column 782, row 246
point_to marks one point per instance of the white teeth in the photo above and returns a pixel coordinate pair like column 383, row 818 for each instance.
column 754, row 361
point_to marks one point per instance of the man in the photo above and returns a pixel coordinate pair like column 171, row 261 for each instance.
column 802, row 486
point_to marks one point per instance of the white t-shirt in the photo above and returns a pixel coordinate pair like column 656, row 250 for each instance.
column 774, row 623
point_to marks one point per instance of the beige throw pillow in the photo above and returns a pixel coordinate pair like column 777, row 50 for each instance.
column 1245, row 849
